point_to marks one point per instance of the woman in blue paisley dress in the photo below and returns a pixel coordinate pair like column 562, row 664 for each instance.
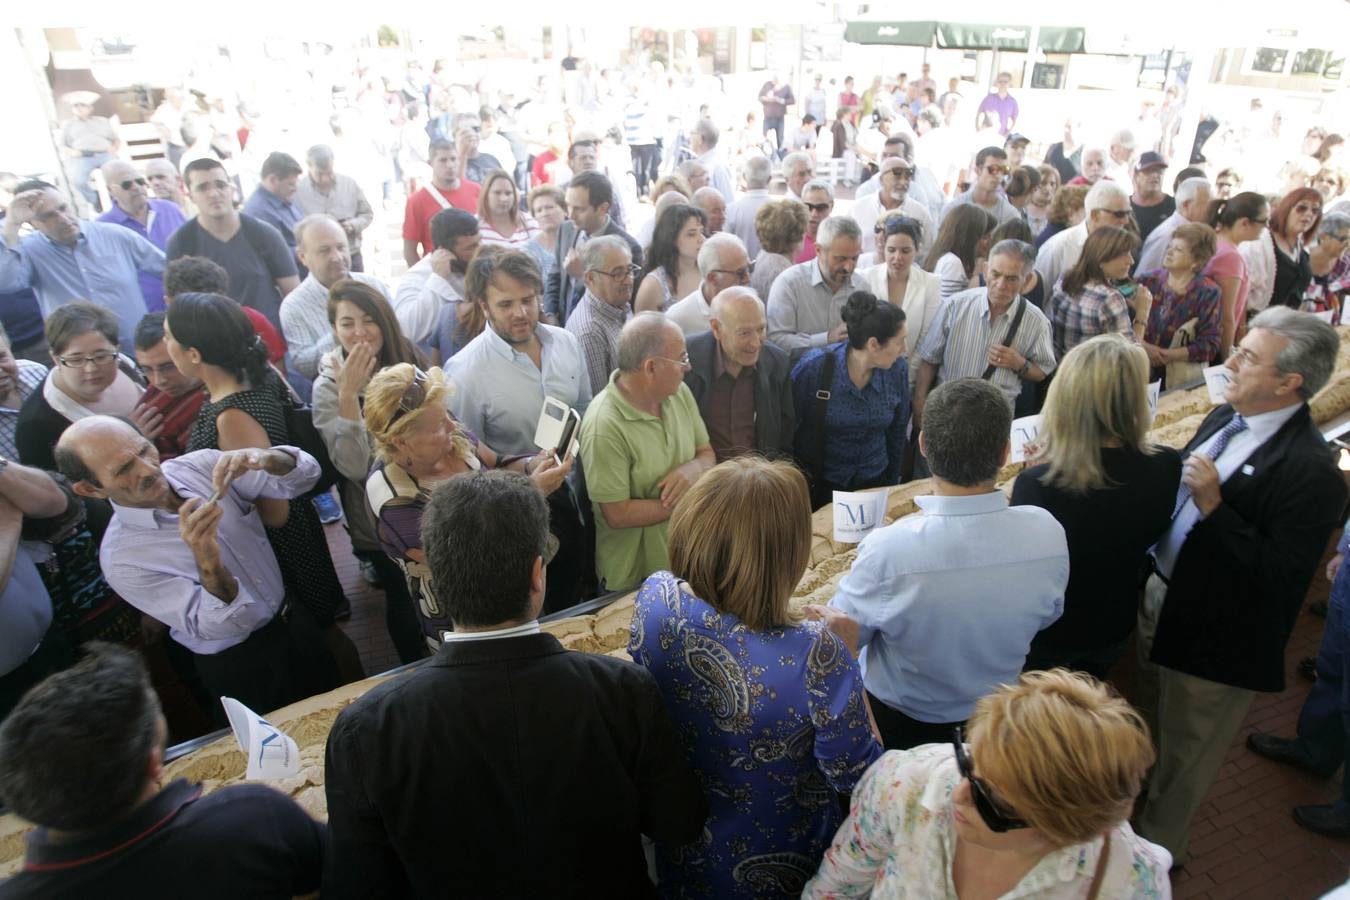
column 770, row 708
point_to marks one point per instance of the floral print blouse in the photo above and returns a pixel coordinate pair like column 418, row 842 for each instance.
column 899, row 841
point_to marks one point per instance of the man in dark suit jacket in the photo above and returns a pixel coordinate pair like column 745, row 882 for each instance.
column 740, row 380
column 1260, row 495
column 506, row 765
column 589, row 197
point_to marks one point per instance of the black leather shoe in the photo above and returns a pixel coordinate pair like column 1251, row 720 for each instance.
column 1324, row 820
column 1283, row 750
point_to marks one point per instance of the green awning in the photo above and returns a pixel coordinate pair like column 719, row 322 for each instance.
column 962, row 36
column 909, row 34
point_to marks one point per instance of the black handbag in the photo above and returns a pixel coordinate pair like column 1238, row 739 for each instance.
column 303, row 434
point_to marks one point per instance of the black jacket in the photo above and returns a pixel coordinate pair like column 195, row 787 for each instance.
column 506, row 768
column 1244, row 570
column 775, row 417
column 562, row 291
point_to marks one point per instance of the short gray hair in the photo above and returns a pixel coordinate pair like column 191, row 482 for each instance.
column 320, row 156
column 1189, row 189
column 818, row 184
column 641, row 339
column 1334, row 223
column 710, row 254
column 758, row 172
column 593, row 251
column 1018, row 249
column 793, row 158
column 1100, row 193
column 706, row 129
column 837, row 227
column 966, row 423
column 1312, row 348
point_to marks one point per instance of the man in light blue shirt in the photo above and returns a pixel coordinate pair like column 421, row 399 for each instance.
column 501, row 379
column 944, row 604
column 68, row 260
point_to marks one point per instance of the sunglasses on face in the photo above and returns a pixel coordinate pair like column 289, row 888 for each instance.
column 1120, row 215
column 996, row 170
column 414, row 395
column 985, row 804
column 819, row 207
column 126, row 185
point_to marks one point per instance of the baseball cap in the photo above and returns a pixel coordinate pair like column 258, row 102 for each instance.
column 1150, row 160
column 1016, row 138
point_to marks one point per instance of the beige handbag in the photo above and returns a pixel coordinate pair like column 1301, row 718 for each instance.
column 1179, row 373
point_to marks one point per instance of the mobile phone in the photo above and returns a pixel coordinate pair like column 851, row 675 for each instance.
column 568, row 433
column 1126, row 287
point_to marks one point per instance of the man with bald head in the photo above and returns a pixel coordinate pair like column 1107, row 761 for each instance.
column 608, row 272
column 643, row 445
column 321, row 243
column 187, row 546
column 757, row 172
column 740, row 381
column 723, row 263
column 713, row 206
column 152, row 219
column 166, row 184
column 67, row 260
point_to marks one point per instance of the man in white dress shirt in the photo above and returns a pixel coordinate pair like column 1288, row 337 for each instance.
column 895, row 177
column 1107, row 203
column 438, row 278
column 723, row 263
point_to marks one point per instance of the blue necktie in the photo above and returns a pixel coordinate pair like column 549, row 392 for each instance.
column 1234, row 427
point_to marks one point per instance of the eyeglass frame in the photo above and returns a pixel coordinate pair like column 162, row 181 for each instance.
column 748, row 269
column 980, row 792
column 684, row 362
column 126, row 185
column 414, row 395
column 630, row 272
column 76, row 362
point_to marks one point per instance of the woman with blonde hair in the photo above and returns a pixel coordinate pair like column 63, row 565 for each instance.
column 1087, row 301
column 771, row 709
column 548, row 206
column 1112, row 491
column 780, row 226
column 1037, row 803
column 501, row 223
column 418, row 444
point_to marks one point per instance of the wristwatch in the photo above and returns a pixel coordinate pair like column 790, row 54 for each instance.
column 1026, row 364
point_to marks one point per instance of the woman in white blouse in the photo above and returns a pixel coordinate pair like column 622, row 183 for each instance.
column 901, row 281
column 1036, row 804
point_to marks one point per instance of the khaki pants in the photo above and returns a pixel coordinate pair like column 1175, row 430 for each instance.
column 1194, row 721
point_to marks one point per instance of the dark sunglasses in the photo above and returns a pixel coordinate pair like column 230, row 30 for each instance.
column 819, row 207
column 997, row 820
column 126, row 185
column 414, row 395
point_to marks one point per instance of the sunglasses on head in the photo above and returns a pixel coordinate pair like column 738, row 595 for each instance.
column 126, row 185
column 985, row 804
column 414, row 395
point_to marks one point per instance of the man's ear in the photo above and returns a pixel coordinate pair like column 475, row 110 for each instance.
column 89, row 489
column 923, row 445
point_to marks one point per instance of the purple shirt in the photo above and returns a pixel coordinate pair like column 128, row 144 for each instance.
column 147, row 562
column 165, row 218
column 1006, row 107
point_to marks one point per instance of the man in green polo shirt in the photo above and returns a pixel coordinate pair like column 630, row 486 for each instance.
column 643, row 443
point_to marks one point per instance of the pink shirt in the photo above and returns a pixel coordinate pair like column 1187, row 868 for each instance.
column 1228, row 263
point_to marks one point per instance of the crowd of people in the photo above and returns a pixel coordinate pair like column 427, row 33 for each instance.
column 213, row 382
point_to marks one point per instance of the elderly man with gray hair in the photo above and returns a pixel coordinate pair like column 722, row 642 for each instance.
column 806, row 300
column 1107, row 203
column 723, row 263
column 741, row 382
column 1260, row 495
column 608, row 272
column 643, row 445
column 713, row 206
column 1192, row 199
column 797, row 171
column 703, row 143
column 757, row 172
column 322, row 190
column 992, row 332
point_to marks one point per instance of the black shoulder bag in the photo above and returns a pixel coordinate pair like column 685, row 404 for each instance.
column 818, row 409
column 1012, row 333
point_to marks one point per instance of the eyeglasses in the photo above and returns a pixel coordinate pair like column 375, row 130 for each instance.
column 741, row 274
column 985, row 804
column 820, row 207
column 1245, row 357
column 167, row 368
column 126, row 185
column 996, row 170
column 683, row 362
column 1120, row 215
column 99, row 360
column 414, row 395
column 619, row 274
column 1306, row 207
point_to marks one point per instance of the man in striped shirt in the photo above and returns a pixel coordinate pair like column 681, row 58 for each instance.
column 967, row 337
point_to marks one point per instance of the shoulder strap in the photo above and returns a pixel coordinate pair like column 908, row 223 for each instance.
column 440, row 198
column 818, row 410
column 1099, row 876
column 1012, row 333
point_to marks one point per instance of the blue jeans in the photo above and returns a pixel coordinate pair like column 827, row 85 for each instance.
column 1324, row 723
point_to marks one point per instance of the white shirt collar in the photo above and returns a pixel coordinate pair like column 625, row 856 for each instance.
column 531, row 627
